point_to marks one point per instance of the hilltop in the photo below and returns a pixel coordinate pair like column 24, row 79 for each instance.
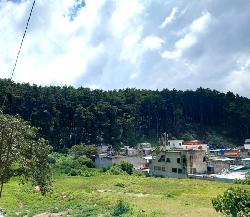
column 67, row 116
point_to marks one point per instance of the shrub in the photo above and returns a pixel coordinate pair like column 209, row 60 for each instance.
column 83, row 150
column 234, row 202
column 121, row 208
column 116, row 170
column 139, row 173
column 126, row 166
column 243, row 181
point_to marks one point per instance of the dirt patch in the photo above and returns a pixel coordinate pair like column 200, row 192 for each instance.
column 46, row 214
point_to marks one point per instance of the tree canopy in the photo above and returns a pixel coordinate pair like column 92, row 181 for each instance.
column 22, row 153
column 67, row 116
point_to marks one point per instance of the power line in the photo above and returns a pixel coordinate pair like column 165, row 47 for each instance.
column 24, row 34
column 20, row 48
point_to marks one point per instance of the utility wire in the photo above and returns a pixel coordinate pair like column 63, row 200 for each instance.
column 19, row 50
column 24, row 34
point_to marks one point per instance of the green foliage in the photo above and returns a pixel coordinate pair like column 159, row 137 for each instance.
column 126, row 166
column 245, row 181
column 116, row 170
column 41, row 169
column 67, row 116
column 121, row 208
column 234, row 202
column 83, row 150
column 22, row 154
column 139, row 173
column 80, row 166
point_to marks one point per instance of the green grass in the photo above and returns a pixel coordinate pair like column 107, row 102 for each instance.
column 97, row 196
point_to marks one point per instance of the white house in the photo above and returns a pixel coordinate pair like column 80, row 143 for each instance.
column 246, row 162
column 175, row 143
column 247, row 144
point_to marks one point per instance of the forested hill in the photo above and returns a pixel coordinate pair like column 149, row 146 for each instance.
column 68, row 116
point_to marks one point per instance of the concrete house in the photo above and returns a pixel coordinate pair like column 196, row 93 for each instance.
column 178, row 163
column 246, row 162
column 247, row 144
column 217, row 164
column 175, row 143
column 104, row 161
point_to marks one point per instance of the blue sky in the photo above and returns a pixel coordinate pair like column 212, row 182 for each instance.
column 112, row 44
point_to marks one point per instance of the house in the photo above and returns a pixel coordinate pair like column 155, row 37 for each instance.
column 232, row 153
column 217, row 164
column 246, row 162
column 195, row 144
column 104, row 161
column 143, row 145
column 131, row 151
column 175, row 143
column 247, row 144
column 178, row 163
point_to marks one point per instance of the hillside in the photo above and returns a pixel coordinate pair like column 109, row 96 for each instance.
column 68, row 116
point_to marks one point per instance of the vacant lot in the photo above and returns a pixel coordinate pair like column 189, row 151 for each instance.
column 96, row 196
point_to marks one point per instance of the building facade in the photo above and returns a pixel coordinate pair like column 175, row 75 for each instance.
column 178, row 163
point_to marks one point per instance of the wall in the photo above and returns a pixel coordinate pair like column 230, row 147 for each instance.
column 161, row 166
column 107, row 162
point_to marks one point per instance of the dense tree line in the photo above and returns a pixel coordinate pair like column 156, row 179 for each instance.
column 67, row 116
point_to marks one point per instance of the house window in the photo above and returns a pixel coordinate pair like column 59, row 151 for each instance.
column 179, row 170
column 179, row 144
column 157, row 168
column 174, row 170
column 168, row 160
column 162, row 158
column 163, row 169
column 178, row 160
column 204, row 159
column 184, row 160
column 193, row 170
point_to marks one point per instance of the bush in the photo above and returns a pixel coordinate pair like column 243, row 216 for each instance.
column 116, row 170
column 139, row 173
column 77, row 151
column 234, row 202
column 243, row 181
column 126, row 166
column 71, row 166
column 121, row 208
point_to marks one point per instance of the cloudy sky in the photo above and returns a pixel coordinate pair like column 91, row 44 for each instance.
column 111, row 44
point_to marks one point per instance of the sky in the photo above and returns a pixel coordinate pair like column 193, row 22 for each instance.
column 114, row 44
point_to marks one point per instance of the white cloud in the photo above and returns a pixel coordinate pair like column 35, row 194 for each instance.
column 197, row 27
column 120, row 43
column 153, row 42
column 169, row 18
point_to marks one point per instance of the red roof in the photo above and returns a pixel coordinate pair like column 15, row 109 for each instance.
column 192, row 142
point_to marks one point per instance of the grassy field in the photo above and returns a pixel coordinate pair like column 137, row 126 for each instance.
column 97, row 195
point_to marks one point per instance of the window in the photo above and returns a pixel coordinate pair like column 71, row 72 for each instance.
column 184, row 160
column 179, row 170
column 204, row 159
column 178, row 160
column 157, row 168
column 179, row 144
column 174, row 170
column 168, row 160
column 162, row 158
column 163, row 169
column 193, row 170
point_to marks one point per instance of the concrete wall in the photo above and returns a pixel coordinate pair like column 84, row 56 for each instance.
column 179, row 163
column 219, row 165
column 164, row 163
column 196, row 161
column 107, row 162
